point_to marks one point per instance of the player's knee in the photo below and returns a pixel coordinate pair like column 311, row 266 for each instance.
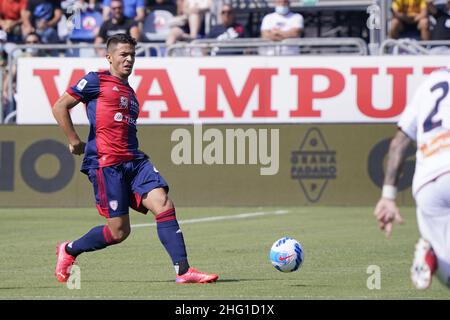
column 120, row 235
column 163, row 203
column 157, row 201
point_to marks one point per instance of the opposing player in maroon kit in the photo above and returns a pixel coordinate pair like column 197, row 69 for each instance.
column 122, row 176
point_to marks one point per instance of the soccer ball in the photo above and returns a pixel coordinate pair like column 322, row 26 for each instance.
column 286, row 254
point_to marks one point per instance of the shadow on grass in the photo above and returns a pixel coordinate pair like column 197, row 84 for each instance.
column 218, row 281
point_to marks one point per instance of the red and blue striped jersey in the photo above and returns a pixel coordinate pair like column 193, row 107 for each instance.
column 112, row 109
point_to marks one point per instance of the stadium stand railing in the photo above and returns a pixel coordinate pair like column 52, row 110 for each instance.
column 408, row 46
column 256, row 46
column 260, row 4
column 8, row 119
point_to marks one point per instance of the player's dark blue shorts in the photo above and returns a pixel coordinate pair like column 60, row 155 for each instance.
column 119, row 187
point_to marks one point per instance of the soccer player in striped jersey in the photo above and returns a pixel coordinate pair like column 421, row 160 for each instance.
column 122, row 176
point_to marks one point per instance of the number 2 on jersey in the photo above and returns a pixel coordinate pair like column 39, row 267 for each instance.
column 429, row 125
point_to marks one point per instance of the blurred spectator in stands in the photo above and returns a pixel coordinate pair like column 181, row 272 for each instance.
column 4, row 73
column 229, row 29
column 168, row 5
column 38, row 10
column 409, row 16
column 11, row 12
column 47, row 33
column 132, row 9
column 189, row 24
column 440, row 29
column 33, row 39
column 3, row 54
column 3, row 63
column 282, row 24
column 117, row 24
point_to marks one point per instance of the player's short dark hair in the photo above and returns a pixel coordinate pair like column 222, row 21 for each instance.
column 120, row 38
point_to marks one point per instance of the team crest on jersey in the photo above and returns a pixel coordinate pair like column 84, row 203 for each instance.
column 81, row 84
column 114, row 204
column 118, row 117
column 123, row 102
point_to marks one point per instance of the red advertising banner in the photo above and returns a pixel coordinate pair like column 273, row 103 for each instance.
column 239, row 89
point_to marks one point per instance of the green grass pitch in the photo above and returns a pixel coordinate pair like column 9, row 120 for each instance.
column 340, row 243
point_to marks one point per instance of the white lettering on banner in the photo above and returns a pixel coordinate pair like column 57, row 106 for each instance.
column 248, row 90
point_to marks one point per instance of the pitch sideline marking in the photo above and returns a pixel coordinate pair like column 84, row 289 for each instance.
column 218, row 218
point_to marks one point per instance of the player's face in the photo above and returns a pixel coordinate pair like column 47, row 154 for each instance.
column 122, row 60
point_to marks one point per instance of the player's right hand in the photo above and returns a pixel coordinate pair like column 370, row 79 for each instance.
column 77, row 148
column 386, row 212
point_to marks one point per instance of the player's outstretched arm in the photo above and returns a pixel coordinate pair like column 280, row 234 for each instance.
column 386, row 210
column 62, row 116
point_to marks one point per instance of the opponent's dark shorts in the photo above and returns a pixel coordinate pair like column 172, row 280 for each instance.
column 119, row 187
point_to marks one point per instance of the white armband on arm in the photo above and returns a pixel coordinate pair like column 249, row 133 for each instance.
column 389, row 192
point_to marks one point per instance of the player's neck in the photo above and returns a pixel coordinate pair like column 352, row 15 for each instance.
column 117, row 75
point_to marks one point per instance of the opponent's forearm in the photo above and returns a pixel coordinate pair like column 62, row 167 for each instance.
column 397, row 151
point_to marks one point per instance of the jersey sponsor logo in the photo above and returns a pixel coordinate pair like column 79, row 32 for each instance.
column 81, row 84
column 116, row 89
column 130, row 120
column 154, row 169
column 313, row 164
column 114, row 204
column 118, row 117
column 439, row 143
column 123, row 102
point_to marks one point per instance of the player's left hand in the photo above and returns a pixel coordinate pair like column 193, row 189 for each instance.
column 386, row 212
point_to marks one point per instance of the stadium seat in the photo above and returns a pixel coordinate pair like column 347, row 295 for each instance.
column 156, row 26
column 89, row 22
column 84, row 32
